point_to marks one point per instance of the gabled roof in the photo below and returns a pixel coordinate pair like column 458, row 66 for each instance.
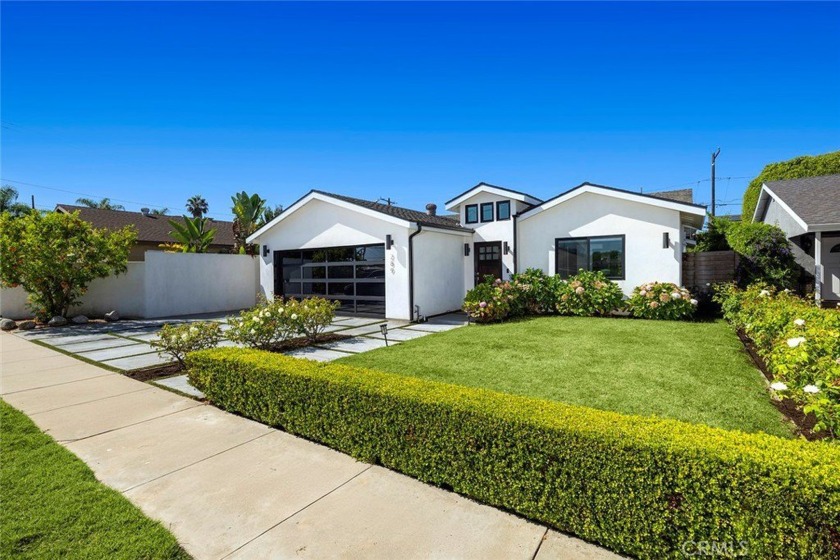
column 680, row 195
column 397, row 214
column 813, row 201
column 495, row 189
column 662, row 202
column 150, row 228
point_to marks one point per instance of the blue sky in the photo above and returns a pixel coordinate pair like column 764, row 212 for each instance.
column 154, row 102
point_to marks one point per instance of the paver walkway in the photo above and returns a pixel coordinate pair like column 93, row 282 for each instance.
column 228, row 487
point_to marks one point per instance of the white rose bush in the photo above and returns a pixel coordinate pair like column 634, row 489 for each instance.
column 179, row 340
column 270, row 323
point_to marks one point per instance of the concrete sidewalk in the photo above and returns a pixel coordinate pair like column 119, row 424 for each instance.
column 228, row 487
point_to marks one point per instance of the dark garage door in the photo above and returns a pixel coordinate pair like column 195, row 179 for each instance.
column 355, row 276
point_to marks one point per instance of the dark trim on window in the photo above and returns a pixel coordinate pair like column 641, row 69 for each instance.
column 588, row 239
column 492, row 212
column 467, row 214
column 498, row 214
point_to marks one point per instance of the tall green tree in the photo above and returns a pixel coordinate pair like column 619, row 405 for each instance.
column 103, row 204
column 197, row 206
column 193, row 236
column 269, row 214
column 796, row 168
column 9, row 202
column 247, row 211
column 54, row 257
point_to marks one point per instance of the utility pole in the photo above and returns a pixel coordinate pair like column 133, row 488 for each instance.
column 33, row 202
column 714, row 158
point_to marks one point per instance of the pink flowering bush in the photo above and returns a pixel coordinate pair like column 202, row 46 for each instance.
column 490, row 301
column 535, row 292
column 661, row 300
column 799, row 342
column 588, row 294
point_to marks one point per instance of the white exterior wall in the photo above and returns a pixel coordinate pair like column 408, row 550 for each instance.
column 439, row 259
column 166, row 284
column 591, row 214
column 320, row 224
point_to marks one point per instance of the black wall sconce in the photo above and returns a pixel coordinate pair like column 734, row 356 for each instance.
column 266, row 250
column 466, row 249
column 506, row 248
column 389, row 242
column 666, row 240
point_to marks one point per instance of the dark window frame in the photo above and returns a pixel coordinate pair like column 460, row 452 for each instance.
column 588, row 240
column 492, row 212
column 498, row 205
column 467, row 214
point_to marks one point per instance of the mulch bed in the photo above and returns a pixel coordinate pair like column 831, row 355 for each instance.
column 156, row 372
column 792, row 411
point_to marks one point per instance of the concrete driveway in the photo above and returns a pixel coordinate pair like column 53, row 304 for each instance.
column 228, row 487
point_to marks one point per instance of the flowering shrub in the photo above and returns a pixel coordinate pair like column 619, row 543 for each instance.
column 587, row 294
column 490, row 301
column 266, row 324
column 315, row 315
column 535, row 292
column 661, row 300
column 179, row 340
column 799, row 342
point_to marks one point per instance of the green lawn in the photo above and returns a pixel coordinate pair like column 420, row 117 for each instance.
column 53, row 507
column 696, row 372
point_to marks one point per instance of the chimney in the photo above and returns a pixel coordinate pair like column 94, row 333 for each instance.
column 431, row 209
column 145, row 211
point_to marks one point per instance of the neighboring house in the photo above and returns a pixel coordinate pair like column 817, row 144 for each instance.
column 404, row 264
column 808, row 211
column 152, row 229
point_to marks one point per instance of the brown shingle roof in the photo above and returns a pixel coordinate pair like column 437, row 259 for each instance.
column 679, row 195
column 150, row 228
column 416, row 216
column 814, row 199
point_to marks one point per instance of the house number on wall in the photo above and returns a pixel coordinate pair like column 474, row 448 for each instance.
column 393, row 264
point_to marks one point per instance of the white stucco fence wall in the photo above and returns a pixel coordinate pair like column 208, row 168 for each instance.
column 166, row 284
column 439, row 284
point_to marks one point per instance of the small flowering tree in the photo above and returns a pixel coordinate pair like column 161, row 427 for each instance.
column 179, row 340
column 661, row 300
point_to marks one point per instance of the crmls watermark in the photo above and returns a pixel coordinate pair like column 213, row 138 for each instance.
column 731, row 549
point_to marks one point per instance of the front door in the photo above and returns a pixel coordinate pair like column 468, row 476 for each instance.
column 488, row 260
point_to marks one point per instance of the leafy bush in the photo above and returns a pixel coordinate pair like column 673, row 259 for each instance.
column 802, row 166
column 638, row 485
column 713, row 238
column 661, row 300
column 490, row 301
column 799, row 342
column 266, row 324
column 587, row 294
column 315, row 315
column 765, row 255
column 55, row 256
column 179, row 340
column 535, row 292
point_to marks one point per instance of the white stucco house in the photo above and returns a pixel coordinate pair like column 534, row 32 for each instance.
column 406, row 264
column 808, row 211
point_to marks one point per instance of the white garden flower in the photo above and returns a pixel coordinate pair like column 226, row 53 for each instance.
column 799, row 322
column 676, row 295
column 294, row 316
column 643, row 292
column 778, row 386
column 764, row 293
column 693, row 302
column 184, row 336
column 193, row 330
column 794, row 342
column 813, row 389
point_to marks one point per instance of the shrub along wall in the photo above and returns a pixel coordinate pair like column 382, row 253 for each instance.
column 640, row 486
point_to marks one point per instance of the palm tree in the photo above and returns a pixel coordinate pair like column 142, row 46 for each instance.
column 197, row 206
column 103, row 204
column 9, row 203
column 159, row 211
column 193, row 235
column 247, row 211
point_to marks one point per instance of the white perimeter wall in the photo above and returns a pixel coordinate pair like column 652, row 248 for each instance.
column 592, row 214
column 165, row 284
column 438, row 271
column 320, row 224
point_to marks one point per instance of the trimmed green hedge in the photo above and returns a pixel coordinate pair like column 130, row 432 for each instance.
column 640, row 486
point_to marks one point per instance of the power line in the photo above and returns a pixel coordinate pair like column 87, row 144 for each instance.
column 57, row 189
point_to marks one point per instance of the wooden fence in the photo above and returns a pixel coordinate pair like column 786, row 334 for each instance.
column 703, row 270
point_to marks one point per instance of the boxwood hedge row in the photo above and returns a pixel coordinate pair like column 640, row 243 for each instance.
column 647, row 487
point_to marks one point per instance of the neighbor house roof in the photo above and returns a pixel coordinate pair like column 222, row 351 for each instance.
column 680, row 195
column 494, row 189
column 150, row 228
column 813, row 201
